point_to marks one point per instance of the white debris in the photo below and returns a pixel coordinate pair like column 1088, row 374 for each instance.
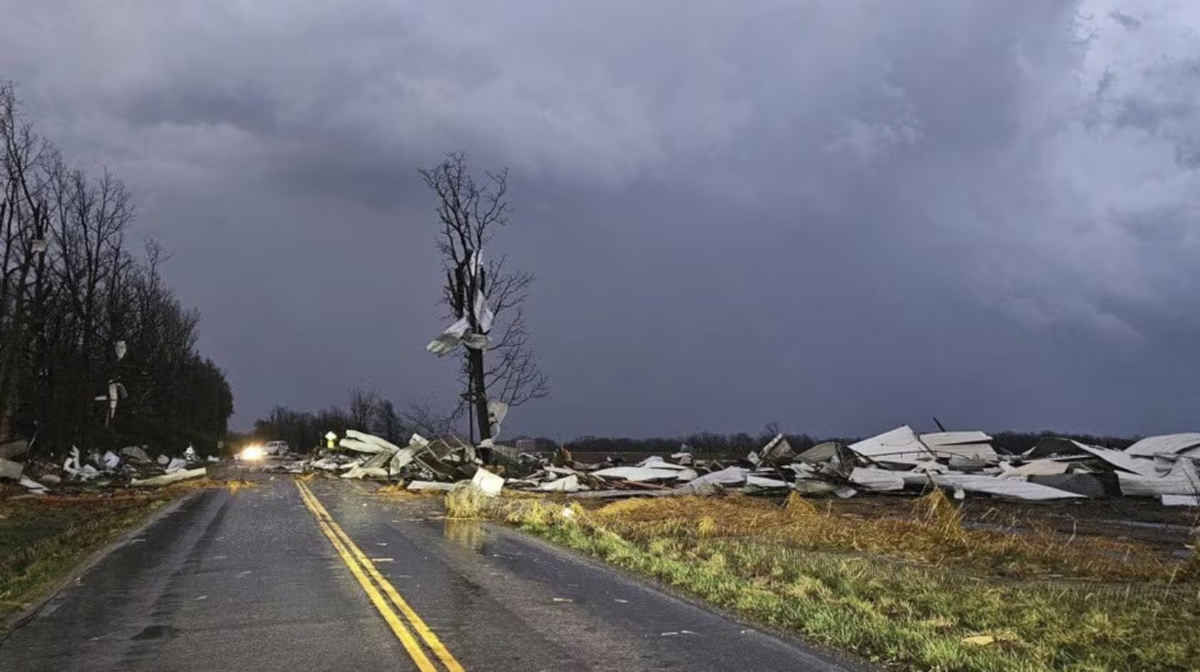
column 173, row 477
column 372, row 439
column 421, row 486
column 899, row 446
column 135, row 454
column 111, row 461
column 33, row 486
column 163, row 460
column 1041, row 467
column 1121, row 460
column 1182, row 480
column 1167, row 444
column 975, row 445
column 765, row 483
column 1001, row 487
column 637, row 474
column 1181, row 500
column 190, row 454
column 565, row 484
column 490, row 484
column 175, row 464
column 877, row 480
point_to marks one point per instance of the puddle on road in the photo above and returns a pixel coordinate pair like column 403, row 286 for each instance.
column 468, row 534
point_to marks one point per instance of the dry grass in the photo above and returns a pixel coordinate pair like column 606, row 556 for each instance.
column 933, row 534
column 913, row 592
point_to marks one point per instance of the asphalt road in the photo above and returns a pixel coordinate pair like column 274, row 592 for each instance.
column 269, row 578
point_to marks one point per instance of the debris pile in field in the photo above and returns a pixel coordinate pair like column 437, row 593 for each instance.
column 898, row 461
column 895, row 462
column 130, row 466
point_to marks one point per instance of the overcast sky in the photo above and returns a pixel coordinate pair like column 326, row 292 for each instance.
column 841, row 216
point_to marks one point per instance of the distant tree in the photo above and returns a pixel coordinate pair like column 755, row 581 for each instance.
column 387, row 423
column 364, row 406
column 482, row 291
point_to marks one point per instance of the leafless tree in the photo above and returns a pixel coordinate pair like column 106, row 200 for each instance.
column 425, row 419
column 469, row 214
column 364, row 406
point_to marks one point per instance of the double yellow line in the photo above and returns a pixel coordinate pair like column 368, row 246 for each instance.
column 364, row 570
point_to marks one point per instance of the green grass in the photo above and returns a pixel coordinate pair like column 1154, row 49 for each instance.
column 908, row 594
column 41, row 540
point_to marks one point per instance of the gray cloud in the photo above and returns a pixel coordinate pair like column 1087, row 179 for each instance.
column 837, row 216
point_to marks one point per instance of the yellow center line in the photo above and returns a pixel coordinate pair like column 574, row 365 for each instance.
column 393, row 620
column 419, row 625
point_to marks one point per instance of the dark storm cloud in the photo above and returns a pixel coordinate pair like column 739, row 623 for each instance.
column 838, row 216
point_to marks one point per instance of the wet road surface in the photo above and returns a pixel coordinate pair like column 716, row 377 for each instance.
column 326, row 576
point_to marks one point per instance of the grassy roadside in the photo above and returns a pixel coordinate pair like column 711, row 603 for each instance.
column 919, row 592
column 43, row 539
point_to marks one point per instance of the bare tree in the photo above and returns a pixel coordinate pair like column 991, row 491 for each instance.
column 423, row 418
column 364, row 405
column 481, row 291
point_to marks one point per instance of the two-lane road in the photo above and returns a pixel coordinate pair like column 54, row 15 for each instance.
column 324, row 576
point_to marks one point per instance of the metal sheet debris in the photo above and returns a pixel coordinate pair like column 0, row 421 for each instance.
column 899, row 446
column 1167, row 444
column 1001, row 487
column 11, row 470
column 174, row 477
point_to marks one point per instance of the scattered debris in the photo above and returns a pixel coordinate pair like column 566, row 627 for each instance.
column 173, row 477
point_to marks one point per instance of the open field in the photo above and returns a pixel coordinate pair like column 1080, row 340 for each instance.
column 910, row 584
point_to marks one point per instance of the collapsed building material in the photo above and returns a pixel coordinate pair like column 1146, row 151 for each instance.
column 173, row 477
column 1051, row 446
column 1121, row 459
column 111, row 461
column 373, row 440
column 1181, row 500
column 488, row 483
column 1001, row 487
column 1167, row 444
column 877, row 480
column 13, row 449
column 564, row 484
column 1181, row 480
column 777, row 451
column 899, row 446
column 820, row 453
column 950, row 445
column 175, row 464
column 135, row 454
column 765, row 483
column 11, row 470
column 428, row 486
column 1042, row 467
column 728, row 477
column 637, row 474
column 1095, row 486
column 33, row 486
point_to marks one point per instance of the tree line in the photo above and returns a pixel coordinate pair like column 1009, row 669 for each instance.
column 365, row 411
column 96, row 350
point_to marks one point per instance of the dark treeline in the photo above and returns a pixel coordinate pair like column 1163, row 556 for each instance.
column 74, row 298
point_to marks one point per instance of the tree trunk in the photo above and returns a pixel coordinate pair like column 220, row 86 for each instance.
column 479, row 392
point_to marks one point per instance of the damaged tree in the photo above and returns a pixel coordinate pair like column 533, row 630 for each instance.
column 485, row 298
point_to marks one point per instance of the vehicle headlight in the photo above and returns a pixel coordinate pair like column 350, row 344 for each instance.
column 253, row 453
